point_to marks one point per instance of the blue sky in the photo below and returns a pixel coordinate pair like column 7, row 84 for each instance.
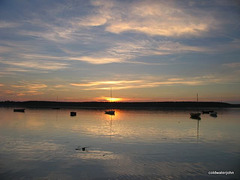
column 145, row 50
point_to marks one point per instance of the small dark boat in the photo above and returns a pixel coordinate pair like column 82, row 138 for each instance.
column 205, row 112
column 110, row 112
column 18, row 110
column 195, row 115
column 213, row 114
column 79, row 148
column 73, row 113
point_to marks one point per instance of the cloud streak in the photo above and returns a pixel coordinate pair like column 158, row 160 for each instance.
column 4, row 24
column 148, row 82
column 42, row 65
column 161, row 18
column 26, row 89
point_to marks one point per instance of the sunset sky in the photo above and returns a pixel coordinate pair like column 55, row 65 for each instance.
column 145, row 50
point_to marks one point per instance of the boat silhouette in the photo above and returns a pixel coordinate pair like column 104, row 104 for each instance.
column 110, row 112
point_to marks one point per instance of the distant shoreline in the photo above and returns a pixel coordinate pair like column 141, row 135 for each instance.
column 118, row 105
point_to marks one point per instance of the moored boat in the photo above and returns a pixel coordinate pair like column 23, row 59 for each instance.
column 213, row 114
column 73, row 113
column 18, row 110
column 110, row 112
column 195, row 115
column 206, row 112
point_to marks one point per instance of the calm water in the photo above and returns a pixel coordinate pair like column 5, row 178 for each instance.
column 41, row 144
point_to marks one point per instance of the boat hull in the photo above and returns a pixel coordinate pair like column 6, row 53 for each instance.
column 18, row 110
column 195, row 115
column 73, row 113
column 110, row 112
column 213, row 114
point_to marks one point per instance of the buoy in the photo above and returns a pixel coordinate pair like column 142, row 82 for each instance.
column 73, row 113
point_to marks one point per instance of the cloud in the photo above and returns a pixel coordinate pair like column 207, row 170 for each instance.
column 91, row 20
column 16, row 70
column 5, row 49
column 96, row 83
column 5, row 24
column 232, row 65
column 42, row 65
column 149, row 17
column 150, row 81
column 140, row 83
column 119, row 51
column 96, row 60
column 151, row 47
column 30, row 86
column 125, row 51
column 152, row 18
column 24, row 88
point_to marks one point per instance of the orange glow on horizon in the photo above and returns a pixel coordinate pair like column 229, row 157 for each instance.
column 110, row 99
column 113, row 99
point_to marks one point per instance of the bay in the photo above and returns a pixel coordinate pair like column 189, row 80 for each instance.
column 133, row 144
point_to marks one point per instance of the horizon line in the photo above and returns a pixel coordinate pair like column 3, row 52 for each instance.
column 117, row 101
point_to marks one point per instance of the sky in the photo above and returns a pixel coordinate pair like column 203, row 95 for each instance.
column 144, row 50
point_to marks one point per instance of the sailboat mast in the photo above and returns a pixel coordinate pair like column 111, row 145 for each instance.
column 111, row 93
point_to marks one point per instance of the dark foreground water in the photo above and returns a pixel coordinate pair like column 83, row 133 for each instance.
column 47, row 144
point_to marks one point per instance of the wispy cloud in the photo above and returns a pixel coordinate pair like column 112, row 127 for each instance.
column 97, row 60
column 154, row 18
column 150, row 81
column 96, row 83
column 42, row 65
column 25, row 88
column 16, row 70
column 144, row 83
column 125, row 51
column 4, row 24
column 5, row 49
column 150, row 47
column 162, row 18
column 232, row 65
column 30, row 86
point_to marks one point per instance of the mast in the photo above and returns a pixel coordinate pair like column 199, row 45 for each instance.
column 111, row 95
column 110, row 112
column 198, row 130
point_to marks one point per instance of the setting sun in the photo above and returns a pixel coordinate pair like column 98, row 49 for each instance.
column 113, row 99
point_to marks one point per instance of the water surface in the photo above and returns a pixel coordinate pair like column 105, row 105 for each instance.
column 133, row 144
